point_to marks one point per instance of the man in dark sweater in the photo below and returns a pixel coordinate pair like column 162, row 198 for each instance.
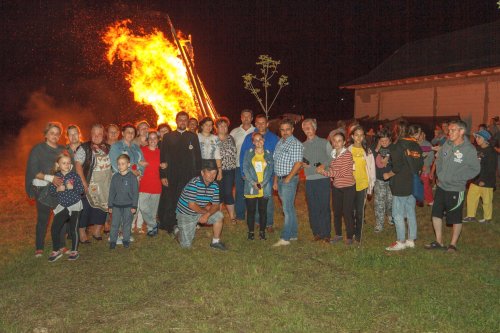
column 180, row 150
column 483, row 185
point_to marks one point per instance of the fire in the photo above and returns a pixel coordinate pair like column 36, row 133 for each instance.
column 157, row 76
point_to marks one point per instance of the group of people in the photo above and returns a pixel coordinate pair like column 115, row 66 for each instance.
column 176, row 180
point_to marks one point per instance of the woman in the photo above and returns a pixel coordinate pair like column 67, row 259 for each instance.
column 92, row 164
column 38, row 176
column 383, row 195
column 407, row 160
column 258, row 168
column 227, row 148
column 142, row 133
column 364, row 174
column 344, row 188
column 74, row 140
column 209, row 144
column 163, row 129
column 112, row 134
column 150, row 186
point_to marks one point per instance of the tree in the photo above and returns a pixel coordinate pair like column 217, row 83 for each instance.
column 268, row 69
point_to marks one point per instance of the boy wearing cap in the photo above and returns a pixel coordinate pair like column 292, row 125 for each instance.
column 483, row 185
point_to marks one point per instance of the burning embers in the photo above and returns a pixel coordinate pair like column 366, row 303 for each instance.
column 159, row 74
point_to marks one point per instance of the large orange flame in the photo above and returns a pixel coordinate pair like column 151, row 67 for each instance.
column 157, row 75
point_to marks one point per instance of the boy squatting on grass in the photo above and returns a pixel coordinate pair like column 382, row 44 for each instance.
column 122, row 202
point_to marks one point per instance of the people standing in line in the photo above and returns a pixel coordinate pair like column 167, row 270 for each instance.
column 364, row 174
column 485, row 183
column 287, row 157
column 258, row 168
column 122, row 201
column 382, row 189
column 270, row 142
column 210, row 144
column 74, row 139
column 93, row 165
column 180, row 151
column 38, row 177
column 239, row 133
column 199, row 203
column 344, row 188
column 227, row 148
column 69, row 195
column 142, row 133
column 112, row 134
column 193, row 125
column 428, row 155
column 150, row 185
column 317, row 151
column 407, row 160
column 456, row 163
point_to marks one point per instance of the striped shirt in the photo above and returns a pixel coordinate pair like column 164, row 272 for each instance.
column 196, row 191
column 341, row 169
column 286, row 154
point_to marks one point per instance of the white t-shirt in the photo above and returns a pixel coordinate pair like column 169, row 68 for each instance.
column 239, row 135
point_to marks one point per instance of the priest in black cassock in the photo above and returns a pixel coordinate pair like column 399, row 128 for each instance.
column 180, row 150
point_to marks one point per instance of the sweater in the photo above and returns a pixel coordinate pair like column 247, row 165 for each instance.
column 150, row 182
column 317, row 150
column 406, row 160
column 341, row 169
column 68, row 197
column 41, row 159
column 124, row 191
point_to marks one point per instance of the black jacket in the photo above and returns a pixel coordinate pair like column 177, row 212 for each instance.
column 407, row 159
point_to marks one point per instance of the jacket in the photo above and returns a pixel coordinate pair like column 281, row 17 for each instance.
column 251, row 175
column 370, row 169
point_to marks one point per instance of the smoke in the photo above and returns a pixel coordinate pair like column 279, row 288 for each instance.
column 42, row 108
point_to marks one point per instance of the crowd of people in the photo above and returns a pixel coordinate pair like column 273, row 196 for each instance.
column 177, row 180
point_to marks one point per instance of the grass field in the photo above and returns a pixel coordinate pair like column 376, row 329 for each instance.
column 307, row 287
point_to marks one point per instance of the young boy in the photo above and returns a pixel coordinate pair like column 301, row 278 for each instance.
column 122, row 202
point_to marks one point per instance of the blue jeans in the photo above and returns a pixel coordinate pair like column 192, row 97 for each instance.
column 239, row 206
column 287, row 195
column 404, row 207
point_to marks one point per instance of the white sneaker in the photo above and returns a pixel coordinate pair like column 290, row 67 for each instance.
column 410, row 244
column 281, row 242
column 396, row 246
column 131, row 238
column 119, row 240
column 294, row 238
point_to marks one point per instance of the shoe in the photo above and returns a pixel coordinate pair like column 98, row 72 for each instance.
column 74, row 255
column 326, row 240
column 378, row 229
column 390, row 222
column 198, row 226
column 112, row 245
column 131, row 238
column 38, row 253
column 434, row 246
column 54, row 255
column 336, row 239
column 396, row 246
column 85, row 242
column 97, row 238
column 64, row 250
column 270, row 229
column 251, row 236
column 348, row 242
column 410, row 244
column 126, row 244
column 293, row 238
column 484, row 221
column 316, row 238
column 140, row 231
column 262, row 235
column 469, row 219
column 152, row 233
column 176, row 231
column 451, row 249
column 218, row 246
column 281, row 242
column 430, row 203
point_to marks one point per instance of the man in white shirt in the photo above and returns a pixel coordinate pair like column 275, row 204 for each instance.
column 239, row 134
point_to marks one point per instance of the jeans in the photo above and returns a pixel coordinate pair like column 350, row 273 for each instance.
column 287, row 195
column 359, row 213
column 343, row 204
column 252, row 204
column 226, row 187
column 318, row 203
column 121, row 217
column 404, row 207
column 239, row 197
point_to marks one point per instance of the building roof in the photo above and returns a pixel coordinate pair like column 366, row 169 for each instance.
column 467, row 52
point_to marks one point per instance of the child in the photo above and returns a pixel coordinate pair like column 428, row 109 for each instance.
column 68, row 195
column 122, row 201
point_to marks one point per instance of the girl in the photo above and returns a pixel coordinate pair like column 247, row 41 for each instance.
column 383, row 195
column 68, row 195
column 344, row 188
column 258, row 169
column 209, row 144
column 364, row 174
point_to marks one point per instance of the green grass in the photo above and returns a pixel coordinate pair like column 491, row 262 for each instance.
column 307, row 287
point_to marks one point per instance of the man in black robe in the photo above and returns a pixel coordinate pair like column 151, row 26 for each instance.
column 180, row 150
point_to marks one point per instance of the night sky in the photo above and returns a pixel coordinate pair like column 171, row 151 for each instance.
column 55, row 47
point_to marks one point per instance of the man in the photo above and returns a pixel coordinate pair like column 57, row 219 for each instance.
column 239, row 134
column 317, row 151
column 287, row 163
column 456, row 163
column 199, row 203
column 270, row 141
column 180, row 151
